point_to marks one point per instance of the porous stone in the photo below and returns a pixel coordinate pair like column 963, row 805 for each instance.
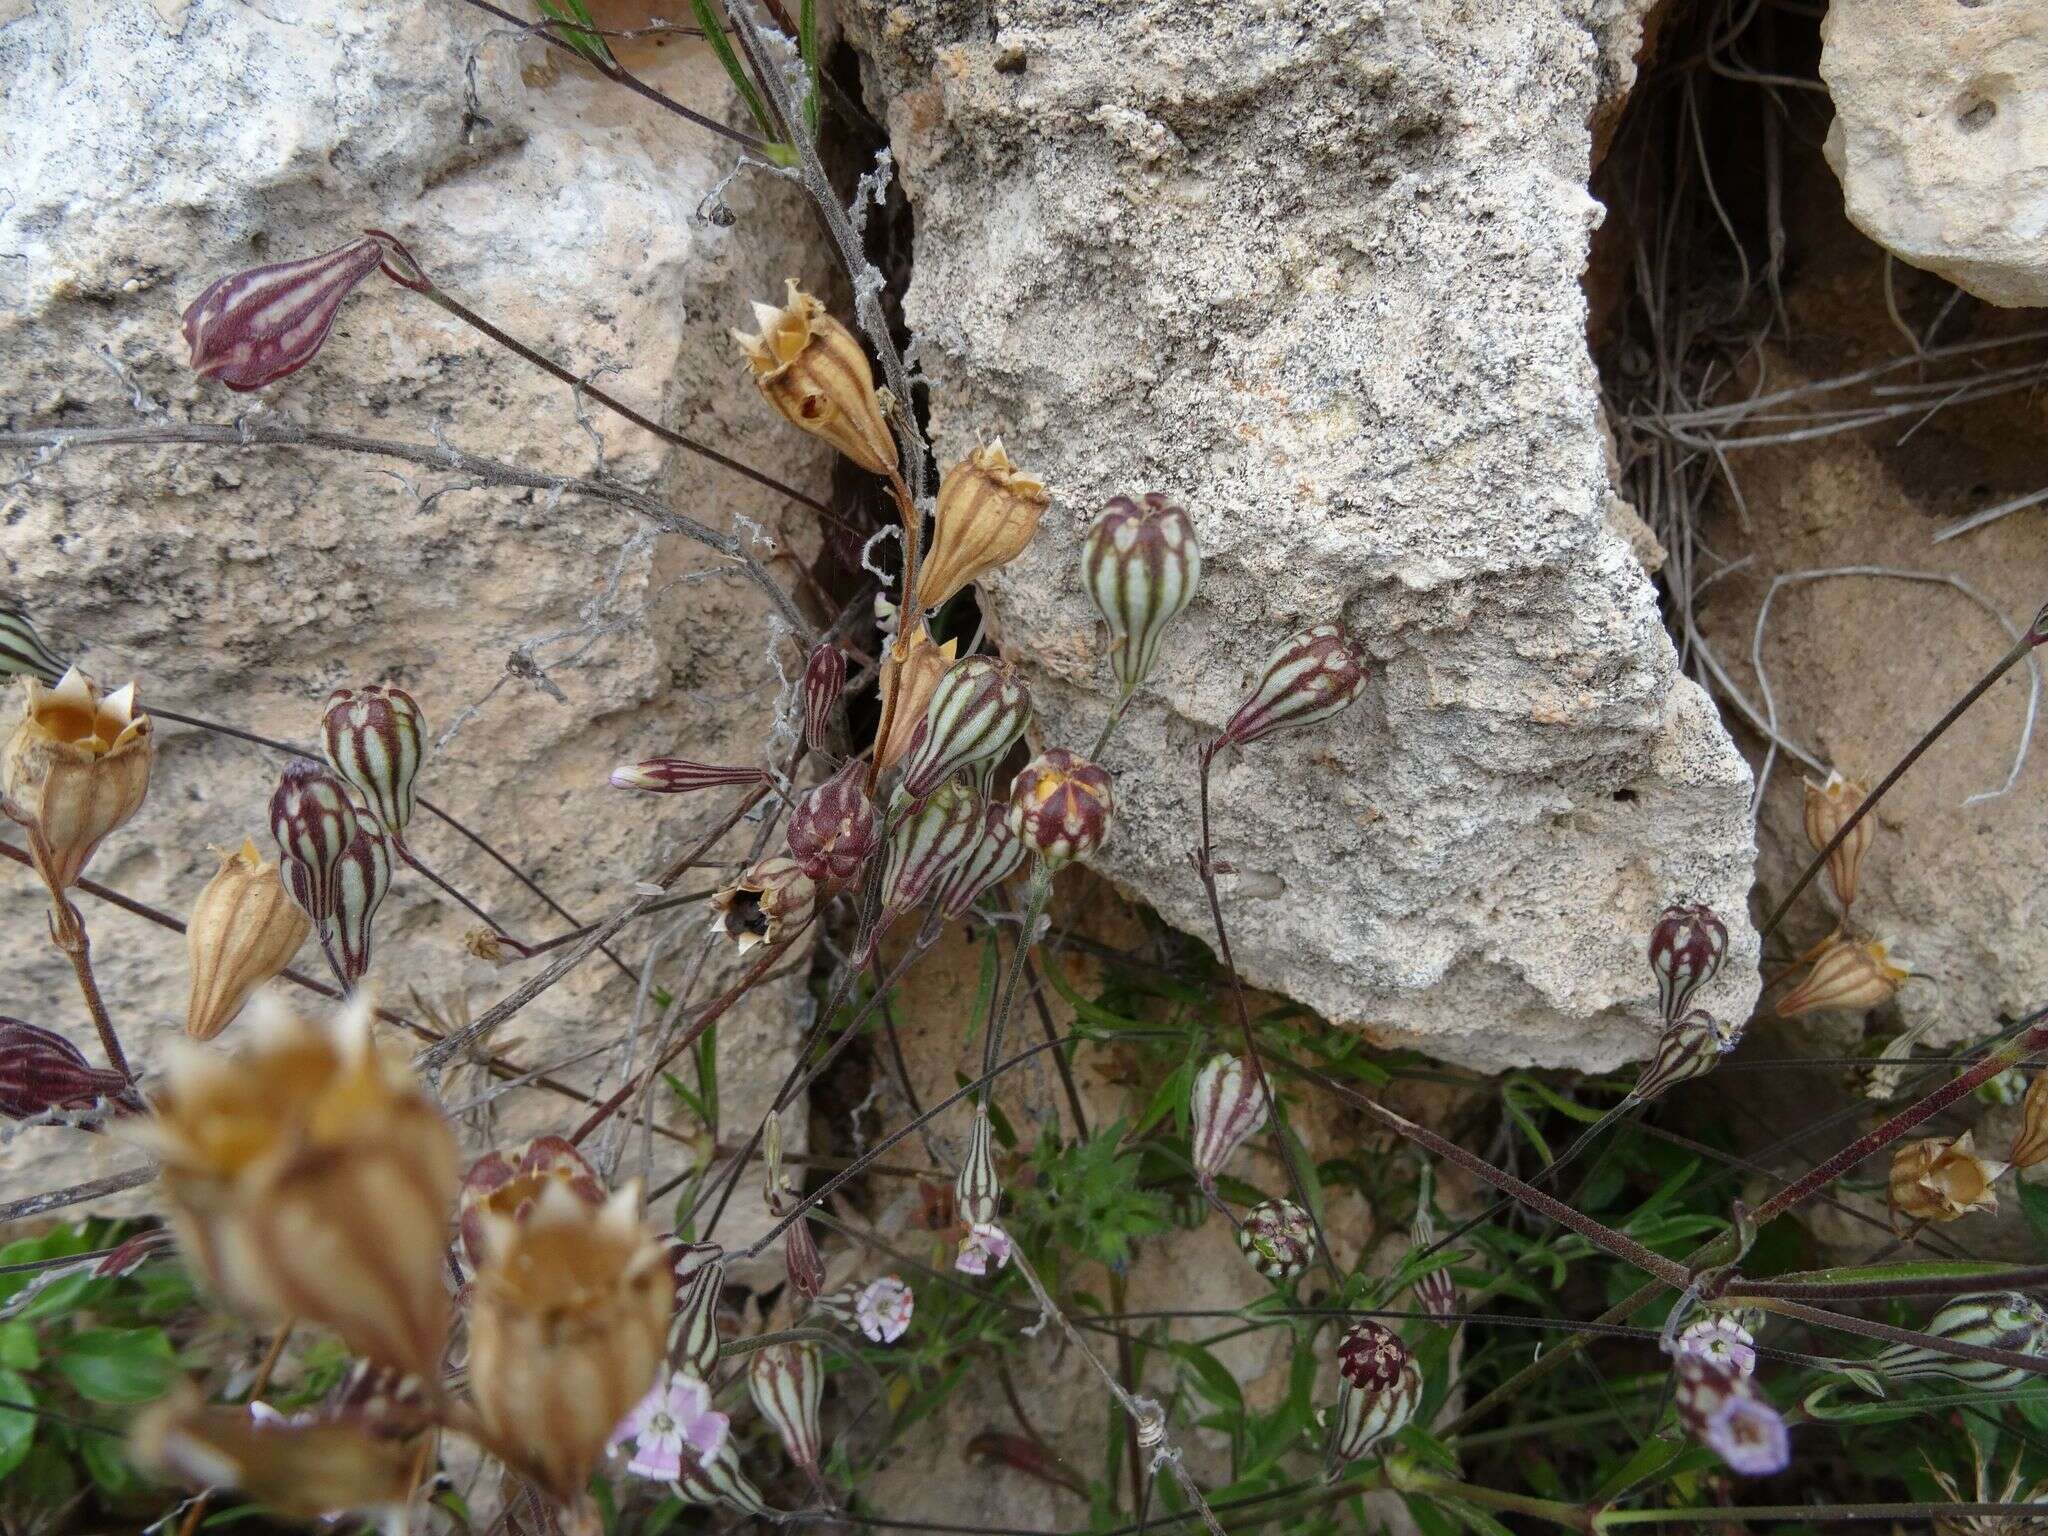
column 1940, row 136
column 146, row 149
column 1315, row 271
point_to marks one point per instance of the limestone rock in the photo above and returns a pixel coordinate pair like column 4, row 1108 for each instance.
column 1940, row 136
column 1314, row 270
column 148, row 148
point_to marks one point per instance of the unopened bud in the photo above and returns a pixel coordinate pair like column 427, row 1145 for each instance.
column 1850, row 974
column 251, row 328
column 680, row 776
column 809, row 367
column 1690, row 1047
column 1277, row 1239
column 314, row 821
column 2030, row 1146
column 1060, row 806
column 824, row 681
column 1379, row 1387
column 996, row 855
column 787, row 1382
column 243, row 930
column 1828, row 808
column 22, row 652
column 1993, row 1320
column 1941, row 1178
column 1227, row 1106
column 801, row 1261
column 834, row 829
column 1312, row 676
column 910, row 672
column 362, row 878
column 1141, row 563
column 987, row 513
column 976, row 713
column 76, row 767
column 716, row 1480
column 41, row 1071
column 978, row 1191
column 700, row 1276
column 1686, row 950
column 767, row 905
column 1436, row 1293
column 376, row 739
column 926, row 844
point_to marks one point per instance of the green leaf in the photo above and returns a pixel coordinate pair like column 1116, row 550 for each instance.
column 714, row 34
column 107, row 1465
column 118, row 1365
column 17, row 1424
column 1212, row 1379
column 18, row 1350
column 587, row 43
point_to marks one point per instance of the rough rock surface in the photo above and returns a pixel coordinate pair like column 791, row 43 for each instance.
column 1940, row 136
column 146, row 148
column 1315, row 271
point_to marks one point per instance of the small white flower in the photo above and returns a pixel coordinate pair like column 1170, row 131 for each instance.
column 675, row 1414
column 883, row 1309
column 984, row 1242
column 1723, row 1341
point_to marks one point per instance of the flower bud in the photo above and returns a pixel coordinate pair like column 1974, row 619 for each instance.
column 1277, row 1239
column 1436, row 1293
column 1722, row 1409
column 1227, row 1106
column 717, row 1479
column 314, row 821
column 700, row 1276
column 376, row 740
column 1828, row 807
column 912, row 668
column 2030, row 1146
column 1941, row 1178
column 1686, row 949
column 996, row 855
column 310, row 1176
column 883, row 1309
column 243, row 930
column 76, row 767
column 976, row 712
column 1379, row 1387
column 1850, row 974
column 987, row 513
column 800, row 1260
column 680, row 776
column 769, row 904
column 504, row 1187
column 809, row 367
column 1140, row 562
column 1689, row 1048
column 1992, row 1320
column 786, row 1382
column 41, row 1071
column 1060, row 805
column 1314, row 675
column 834, row 830
column 824, row 681
column 251, row 328
column 361, row 880
column 22, row 652
column 926, row 844
column 567, row 1325
column 978, row 1191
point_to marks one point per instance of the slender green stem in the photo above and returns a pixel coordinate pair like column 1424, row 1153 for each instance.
column 1036, row 894
column 1806, row 1514
column 1410, row 1478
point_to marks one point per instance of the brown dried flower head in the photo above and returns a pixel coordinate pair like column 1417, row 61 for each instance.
column 567, row 1325
column 988, row 512
column 76, row 767
column 1941, row 1178
column 243, row 930
column 1850, row 974
column 1828, row 806
column 310, row 1176
column 813, row 371
column 2030, row 1146
column 507, row 1186
column 766, row 905
column 913, row 667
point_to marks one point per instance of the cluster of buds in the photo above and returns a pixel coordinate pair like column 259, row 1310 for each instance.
column 1720, row 1406
column 1141, row 563
column 1379, row 1387
column 1060, row 806
column 75, row 767
column 1227, row 1106
column 42, row 1073
column 1941, row 1179
column 975, row 714
column 768, row 904
column 242, row 931
column 988, row 511
column 2007, row 1320
column 1848, row 974
column 1313, row 676
column 1277, row 1239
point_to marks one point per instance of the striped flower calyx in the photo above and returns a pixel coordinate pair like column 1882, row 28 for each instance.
column 362, row 879
column 787, row 1382
column 1141, row 562
column 1227, row 1106
column 700, row 1276
column 1686, row 950
column 252, row 328
column 925, row 845
column 314, row 821
column 996, row 855
column 376, row 740
column 1692, row 1047
column 242, row 931
column 1060, row 806
column 1379, row 1387
column 2005, row 1320
column 976, row 712
column 1277, row 1239
column 1311, row 677
column 680, row 776
column 41, row 1071
column 824, row 682
column 22, row 652
column 834, row 828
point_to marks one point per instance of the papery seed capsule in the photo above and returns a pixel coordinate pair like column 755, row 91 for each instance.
column 362, row 878
column 41, row 1071
column 1141, row 562
column 809, row 367
column 314, row 821
column 987, row 513
column 693, row 1337
column 977, row 711
column 1277, row 1239
column 926, row 844
column 1312, row 676
column 800, row 1260
column 767, row 905
column 242, row 931
column 1850, row 974
column 996, row 855
column 786, row 1382
column 1690, row 1048
column 680, row 776
column 22, row 652
column 376, row 740
column 1379, row 1387
column 978, row 1191
column 1060, row 806
column 824, row 681
column 717, row 1479
column 2030, row 1146
column 1436, row 1293
column 1941, row 1178
column 834, row 830
column 1686, row 949
column 1722, row 1409
column 75, row 768
column 910, row 672
column 1828, row 808
column 1227, row 1106
column 1993, row 1320
column 253, row 327
column 505, row 1187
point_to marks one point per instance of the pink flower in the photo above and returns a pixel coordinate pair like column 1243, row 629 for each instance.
column 1747, row 1433
column 1723, row 1341
column 674, row 1415
column 883, row 1309
column 984, row 1242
